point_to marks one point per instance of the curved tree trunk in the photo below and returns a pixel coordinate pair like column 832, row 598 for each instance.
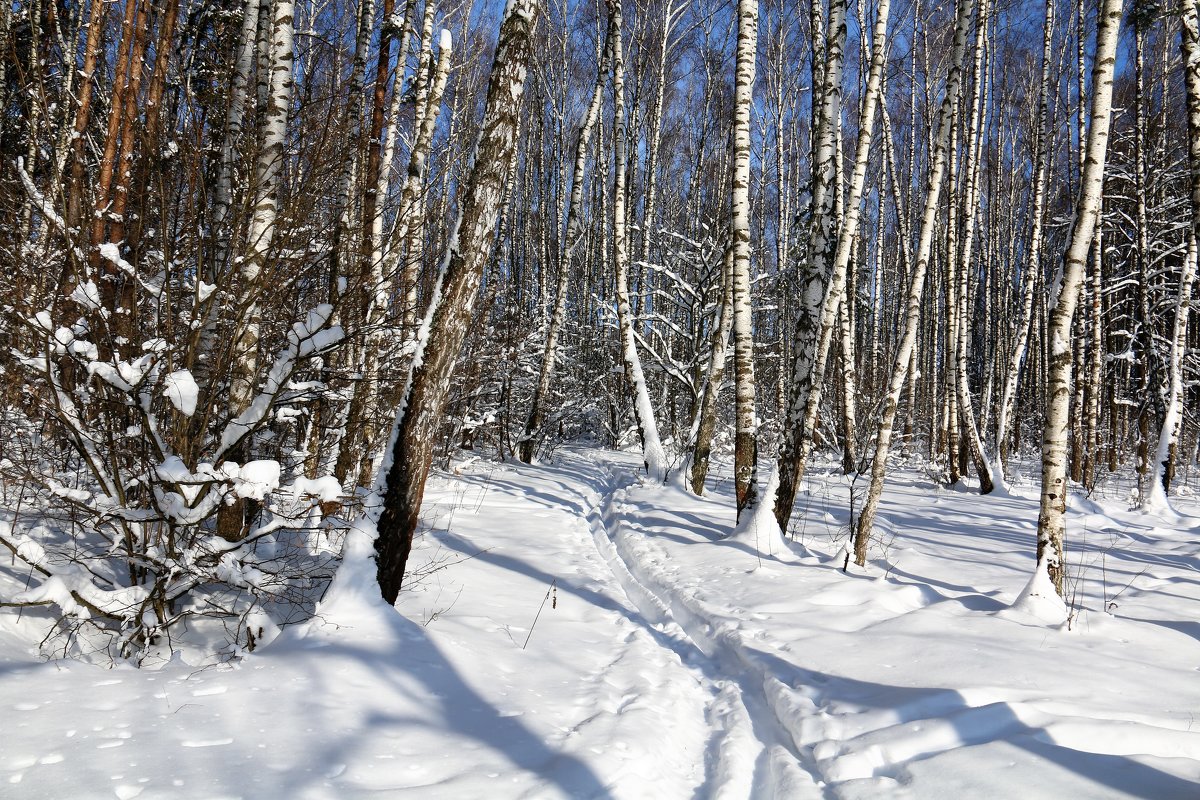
column 652, row 450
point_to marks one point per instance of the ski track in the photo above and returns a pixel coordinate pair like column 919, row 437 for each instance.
column 807, row 745
column 679, row 662
column 749, row 710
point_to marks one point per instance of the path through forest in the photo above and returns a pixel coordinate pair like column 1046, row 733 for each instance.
column 571, row 631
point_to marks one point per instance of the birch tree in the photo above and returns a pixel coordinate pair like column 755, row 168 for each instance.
column 916, row 286
column 654, row 456
column 403, row 474
column 1053, row 506
column 835, row 292
column 1032, row 265
column 268, row 170
column 745, row 459
column 828, row 62
column 1168, row 438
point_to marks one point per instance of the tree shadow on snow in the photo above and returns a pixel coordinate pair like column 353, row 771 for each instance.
column 409, row 658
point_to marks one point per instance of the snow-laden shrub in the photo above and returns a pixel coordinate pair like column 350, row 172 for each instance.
column 115, row 469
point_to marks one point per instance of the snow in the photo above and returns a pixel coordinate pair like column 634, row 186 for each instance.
column 257, row 479
column 180, row 388
column 673, row 660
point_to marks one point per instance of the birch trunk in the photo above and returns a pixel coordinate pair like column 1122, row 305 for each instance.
column 706, row 421
column 745, row 458
column 1168, row 439
column 268, row 171
column 571, row 241
column 815, row 280
column 937, row 173
column 652, row 450
column 961, row 290
column 444, row 327
column 1051, row 522
column 1032, row 265
column 804, row 401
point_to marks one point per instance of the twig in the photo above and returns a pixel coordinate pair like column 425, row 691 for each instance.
column 553, row 584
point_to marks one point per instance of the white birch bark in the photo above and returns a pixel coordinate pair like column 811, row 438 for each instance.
column 805, row 401
column 706, row 419
column 652, row 450
column 904, row 353
column 815, row 280
column 974, row 442
column 1168, row 439
column 745, row 438
column 1051, row 518
column 1032, row 265
column 267, row 172
column 233, row 132
column 383, row 269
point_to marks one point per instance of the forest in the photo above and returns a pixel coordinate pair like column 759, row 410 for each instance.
column 270, row 268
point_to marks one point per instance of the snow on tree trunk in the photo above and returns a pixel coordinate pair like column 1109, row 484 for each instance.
column 962, row 389
column 652, row 450
column 916, row 286
column 1051, row 519
column 1168, row 438
column 745, row 457
column 267, row 171
column 403, row 474
column 380, row 269
column 706, row 421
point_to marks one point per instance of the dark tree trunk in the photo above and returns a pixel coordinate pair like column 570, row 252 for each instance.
column 450, row 312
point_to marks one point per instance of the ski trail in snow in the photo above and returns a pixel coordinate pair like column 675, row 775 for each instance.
column 752, row 752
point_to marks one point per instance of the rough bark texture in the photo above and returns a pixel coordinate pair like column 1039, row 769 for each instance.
column 445, row 324
column 745, row 458
column 1051, row 518
column 802, row 421
column 815, row 281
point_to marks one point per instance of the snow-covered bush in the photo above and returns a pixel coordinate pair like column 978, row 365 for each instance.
column 115, row 467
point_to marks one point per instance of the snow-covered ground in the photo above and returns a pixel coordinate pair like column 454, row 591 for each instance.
column 577, row 633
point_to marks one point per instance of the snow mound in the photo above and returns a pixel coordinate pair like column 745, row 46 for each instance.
column 1039, row 599
column 757, row 527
